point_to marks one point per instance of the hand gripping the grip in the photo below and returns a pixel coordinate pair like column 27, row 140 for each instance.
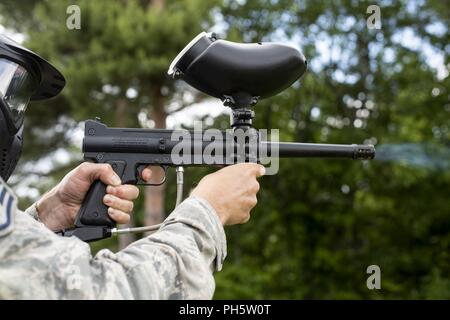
column 93, row 222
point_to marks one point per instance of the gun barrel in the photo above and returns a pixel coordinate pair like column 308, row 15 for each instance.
column 353, row 151
column 285, row 149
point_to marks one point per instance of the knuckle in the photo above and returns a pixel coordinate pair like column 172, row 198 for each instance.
column 124, row 205
column 120, row 191
column 256, row 187
column 128, row 192
column 83, row 168
column 112, row 212
column 247, row 203
column 253, row 201
column 84, row 165
column 105, row 167
column 246, row 217
column 112, row 200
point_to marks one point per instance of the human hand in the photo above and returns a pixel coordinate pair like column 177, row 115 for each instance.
column 231, row 191
column 58, row 208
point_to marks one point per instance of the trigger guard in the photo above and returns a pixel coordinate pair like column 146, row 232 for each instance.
column 143, row 183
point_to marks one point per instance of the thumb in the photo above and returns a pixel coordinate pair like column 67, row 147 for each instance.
column 261, row 171
column 256, row 169
column 102, row 171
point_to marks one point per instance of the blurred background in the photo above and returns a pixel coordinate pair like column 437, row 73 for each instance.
column 319, row 223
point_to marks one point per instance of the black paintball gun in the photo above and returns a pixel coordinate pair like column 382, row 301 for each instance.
column 239, row 74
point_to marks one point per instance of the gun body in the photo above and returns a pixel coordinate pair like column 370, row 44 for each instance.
column 129, row 151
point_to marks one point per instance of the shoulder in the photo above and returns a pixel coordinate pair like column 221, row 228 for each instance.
column 8, row 207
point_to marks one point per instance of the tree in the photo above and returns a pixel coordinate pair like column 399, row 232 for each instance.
column 116, row 66
column 329, row 220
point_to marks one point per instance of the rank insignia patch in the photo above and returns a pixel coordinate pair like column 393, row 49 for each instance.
column 8, row 205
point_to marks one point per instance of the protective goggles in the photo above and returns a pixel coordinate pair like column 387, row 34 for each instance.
column 17, row 85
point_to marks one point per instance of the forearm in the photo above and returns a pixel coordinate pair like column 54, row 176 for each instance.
column 177, row 261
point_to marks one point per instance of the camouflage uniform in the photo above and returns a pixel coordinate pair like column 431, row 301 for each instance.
column 175, row 262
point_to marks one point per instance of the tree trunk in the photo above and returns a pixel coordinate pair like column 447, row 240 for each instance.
column 154, row 195
column 158, row 4
column 121, row 121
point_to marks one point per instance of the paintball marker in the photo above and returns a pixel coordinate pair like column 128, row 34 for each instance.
column 238, row 74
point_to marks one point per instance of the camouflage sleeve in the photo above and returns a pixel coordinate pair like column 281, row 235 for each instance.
column 175, row 262
column 32, row 212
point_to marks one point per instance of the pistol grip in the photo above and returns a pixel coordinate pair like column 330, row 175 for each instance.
column 93, row 212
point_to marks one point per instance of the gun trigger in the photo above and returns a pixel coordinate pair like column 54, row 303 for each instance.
column 158, row 175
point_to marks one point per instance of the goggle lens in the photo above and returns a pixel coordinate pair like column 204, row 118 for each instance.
column 17, row 86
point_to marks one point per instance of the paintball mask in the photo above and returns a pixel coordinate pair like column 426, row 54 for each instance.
column 24, row 76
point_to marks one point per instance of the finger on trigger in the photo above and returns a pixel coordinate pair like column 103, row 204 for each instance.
column 146, row 174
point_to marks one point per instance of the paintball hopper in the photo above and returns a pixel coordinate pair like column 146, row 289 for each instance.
column 238, row 73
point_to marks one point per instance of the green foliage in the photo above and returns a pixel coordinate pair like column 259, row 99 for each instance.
column 319, row 223
column 121, row 46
